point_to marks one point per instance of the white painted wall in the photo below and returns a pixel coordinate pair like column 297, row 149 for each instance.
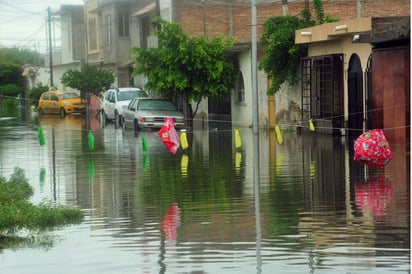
column 242, row 112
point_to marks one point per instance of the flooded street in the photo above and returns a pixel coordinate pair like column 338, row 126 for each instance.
column 316, row 210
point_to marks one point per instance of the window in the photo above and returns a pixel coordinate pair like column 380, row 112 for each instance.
column 109, row 30
column 54, row 97
column 123, row 24
column 322, row 87
column 46, row 96
column 240, row 88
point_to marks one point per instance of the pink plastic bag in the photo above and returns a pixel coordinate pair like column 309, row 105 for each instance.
column 169, row 135
column 372, row 149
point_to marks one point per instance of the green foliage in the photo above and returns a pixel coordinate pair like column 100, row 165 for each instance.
column 282, row 56
column 90, row 79
column 11, row 74
column 21, row 56
column 35, row 93
column 8, row 106
column 320, row 13
column 11, row 90
column 17, row 213
column 192, row 67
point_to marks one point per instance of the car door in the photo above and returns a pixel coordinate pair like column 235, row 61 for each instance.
column 54, row 103
column 44, row 102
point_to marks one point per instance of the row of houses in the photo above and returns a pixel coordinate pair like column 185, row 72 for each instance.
column 356, row 74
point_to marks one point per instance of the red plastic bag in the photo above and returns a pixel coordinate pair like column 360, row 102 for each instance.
column 169, row 135
column 372, row 149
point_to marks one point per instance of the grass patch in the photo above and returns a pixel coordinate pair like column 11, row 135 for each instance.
column 18, row 214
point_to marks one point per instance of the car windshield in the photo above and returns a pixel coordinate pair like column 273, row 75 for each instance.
column 156, row 105
column 68, row 95
column 130, row 94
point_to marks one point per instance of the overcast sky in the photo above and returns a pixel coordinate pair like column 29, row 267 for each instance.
column 23, row 22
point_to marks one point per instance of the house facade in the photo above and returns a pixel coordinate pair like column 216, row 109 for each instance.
column 111, row 32
column 357, row 76
column 113, row 27
column 286, row 107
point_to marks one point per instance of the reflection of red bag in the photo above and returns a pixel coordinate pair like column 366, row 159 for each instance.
column 374, row 195
column 171, row 221
column 169, row 135
column 372, row 149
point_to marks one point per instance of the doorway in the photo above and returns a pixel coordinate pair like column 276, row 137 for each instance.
column 355, row 96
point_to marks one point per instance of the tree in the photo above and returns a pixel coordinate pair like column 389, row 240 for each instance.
column 191, row 67
column 90, row 79
column 21, row 56
column 282, row 56
column 11, row 84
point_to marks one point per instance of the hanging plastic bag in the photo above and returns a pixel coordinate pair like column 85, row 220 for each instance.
column 169, row 135
column 372, row 149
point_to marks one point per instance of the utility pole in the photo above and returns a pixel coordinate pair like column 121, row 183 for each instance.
column 50, row 48
column 158, row 8
column 86, row 44
column 254, row 70
column 307, row 13
column 256, row 154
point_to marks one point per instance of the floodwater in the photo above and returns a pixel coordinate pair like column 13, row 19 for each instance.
column 303, row 206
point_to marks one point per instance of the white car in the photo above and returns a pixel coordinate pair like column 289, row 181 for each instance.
column 116, row 100
column 150, row 114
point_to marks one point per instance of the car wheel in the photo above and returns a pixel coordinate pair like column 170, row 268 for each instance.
column 62, row 113
column 123, row 123
column 116, row 119
column 104, row 115
column 136, row 126
column 120, row 120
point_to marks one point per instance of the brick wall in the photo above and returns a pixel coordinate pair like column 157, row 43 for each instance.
column 233, row 17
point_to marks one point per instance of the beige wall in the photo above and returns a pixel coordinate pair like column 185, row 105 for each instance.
column 346, row 47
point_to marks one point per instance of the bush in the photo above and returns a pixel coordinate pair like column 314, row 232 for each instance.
column 9, row 106
column 17, row 213
column 11, row 90
column 35, row 93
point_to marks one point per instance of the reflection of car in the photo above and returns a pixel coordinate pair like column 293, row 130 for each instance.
column 61, row 101
column 115, row 100
column 150, row 113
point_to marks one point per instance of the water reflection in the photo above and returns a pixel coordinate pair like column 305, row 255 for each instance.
column 198, row 210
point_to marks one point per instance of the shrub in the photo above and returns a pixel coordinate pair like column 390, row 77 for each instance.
column 35, row 93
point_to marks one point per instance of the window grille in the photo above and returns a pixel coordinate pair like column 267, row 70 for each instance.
column 123, row 24
column 109, row 30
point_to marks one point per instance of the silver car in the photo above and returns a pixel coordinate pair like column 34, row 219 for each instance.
column 116, row 100
column 150, row 113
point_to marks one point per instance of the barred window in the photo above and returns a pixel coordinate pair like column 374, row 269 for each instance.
column 123, row 24
column 109, row 30
column 240, row 88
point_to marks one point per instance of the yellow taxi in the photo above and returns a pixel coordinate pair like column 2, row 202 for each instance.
column 61, row 102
